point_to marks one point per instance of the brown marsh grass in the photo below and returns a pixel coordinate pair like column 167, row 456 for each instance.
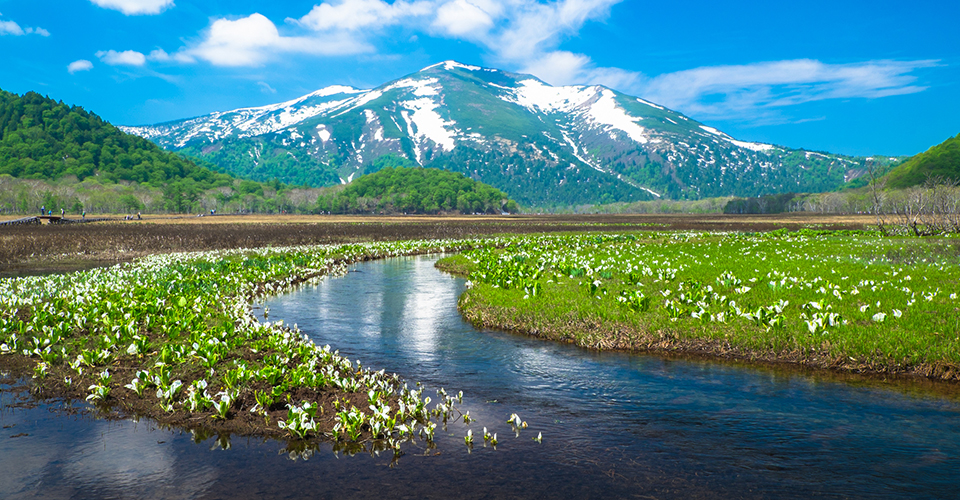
column 50, row 248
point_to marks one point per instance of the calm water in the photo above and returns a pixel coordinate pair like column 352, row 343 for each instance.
column 613, row 424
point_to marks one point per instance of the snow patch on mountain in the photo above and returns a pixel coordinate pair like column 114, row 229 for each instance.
column 648, row 103
column 752, row 146
column 421, row 88
column 323, row 133
column 429, row 124
column 606, row 111
column 449, row 65
column 248, row 122
column 538, row 96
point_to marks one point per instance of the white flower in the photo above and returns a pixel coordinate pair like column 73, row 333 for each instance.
column 897, row 313
column 880, row 317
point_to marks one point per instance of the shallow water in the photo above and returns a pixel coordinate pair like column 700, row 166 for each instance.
column 613, row 424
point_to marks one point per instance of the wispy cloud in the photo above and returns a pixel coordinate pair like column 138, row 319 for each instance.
column 514, row 32
column 79, row 65
column 135, row 7
column 527, row 36
column 125, row 58
column 266, row 88
column 352, row 15
column 759, row 90
column 12, row 28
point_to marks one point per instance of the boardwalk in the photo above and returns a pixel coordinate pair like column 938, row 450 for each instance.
column 49, row 219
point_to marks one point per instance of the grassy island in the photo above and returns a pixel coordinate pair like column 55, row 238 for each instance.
column 845, row 300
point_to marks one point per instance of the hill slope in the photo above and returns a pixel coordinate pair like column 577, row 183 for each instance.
column 60, row 156
column 45, row 139
column 415, row 190
column 942, row 160
column 540, row 144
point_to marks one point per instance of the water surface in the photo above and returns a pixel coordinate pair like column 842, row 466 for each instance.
column 613, row 424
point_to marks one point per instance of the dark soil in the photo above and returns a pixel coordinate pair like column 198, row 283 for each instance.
column 63, row 248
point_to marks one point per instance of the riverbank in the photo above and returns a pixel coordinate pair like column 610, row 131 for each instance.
column 173, row 338
column 852, row 302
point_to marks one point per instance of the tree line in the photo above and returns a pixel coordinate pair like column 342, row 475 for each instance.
column 415, row 190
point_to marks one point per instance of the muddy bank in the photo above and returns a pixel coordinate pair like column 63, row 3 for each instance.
column 592, row 333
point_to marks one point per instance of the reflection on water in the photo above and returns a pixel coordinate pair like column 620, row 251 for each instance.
column 613, row 424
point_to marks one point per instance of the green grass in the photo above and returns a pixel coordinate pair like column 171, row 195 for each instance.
column 853, row 300
column 173, row 337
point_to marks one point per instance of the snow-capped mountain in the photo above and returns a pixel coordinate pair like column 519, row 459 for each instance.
column 539, row 143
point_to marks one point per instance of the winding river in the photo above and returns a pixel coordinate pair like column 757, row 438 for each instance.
column 613, row 424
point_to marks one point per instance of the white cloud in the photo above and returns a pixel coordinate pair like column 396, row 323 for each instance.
column 566, row 68
column 460, row 17
column 125, row 58
column 159, row 55
column 360, row 14
column 12, row 28
column 756, row 92
column 747, row 90
column 533, row 28
column 79, row 65
column 135, row 7
column 516, row 32
column 252, row 40
column 526, row 35
column 559, row 68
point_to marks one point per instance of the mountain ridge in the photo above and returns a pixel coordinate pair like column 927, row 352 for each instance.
column 940, row 162
column 540, row 144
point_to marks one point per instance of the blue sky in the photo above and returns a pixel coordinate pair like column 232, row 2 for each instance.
column 878, row 77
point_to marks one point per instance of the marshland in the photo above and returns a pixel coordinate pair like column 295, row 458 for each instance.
column 612, row 356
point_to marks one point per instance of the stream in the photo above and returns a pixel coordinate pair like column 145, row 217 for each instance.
column 613, row 424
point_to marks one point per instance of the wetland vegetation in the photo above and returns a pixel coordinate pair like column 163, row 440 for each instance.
column 172, row 336
column 852, row 301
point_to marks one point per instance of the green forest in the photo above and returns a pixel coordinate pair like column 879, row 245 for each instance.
column 45, row 139
column 941, row 161
column 415, row 190
column 64, row 157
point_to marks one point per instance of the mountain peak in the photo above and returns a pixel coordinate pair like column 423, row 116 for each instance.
column 451, row 64
column 542, row 144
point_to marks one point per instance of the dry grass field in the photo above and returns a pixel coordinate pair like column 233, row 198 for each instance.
column 63, row 247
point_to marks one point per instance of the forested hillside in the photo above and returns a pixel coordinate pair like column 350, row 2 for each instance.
column 415, row 190
column 61, row 156
column 942, row 160
column 45, row 139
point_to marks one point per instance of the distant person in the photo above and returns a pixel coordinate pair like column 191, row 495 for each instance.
column 83, row 216
column 138, row 216
column 43, row 209
column 62, row 212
